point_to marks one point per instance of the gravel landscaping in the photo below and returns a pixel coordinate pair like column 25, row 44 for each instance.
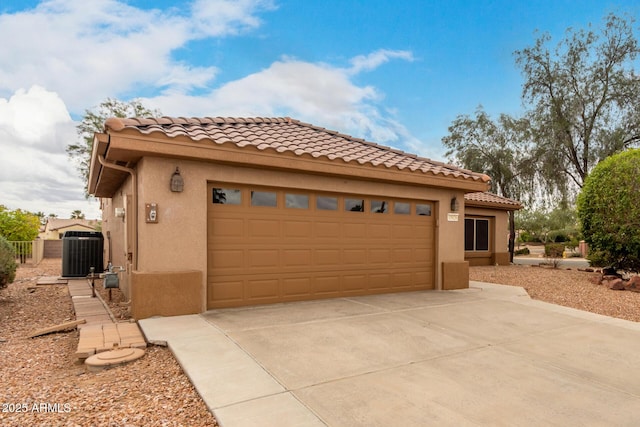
column 43, row 384
column 570, row 288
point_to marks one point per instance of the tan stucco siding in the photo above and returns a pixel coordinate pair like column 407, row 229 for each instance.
column 115, row 235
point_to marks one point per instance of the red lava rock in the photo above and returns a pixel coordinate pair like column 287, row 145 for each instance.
column 616, row 285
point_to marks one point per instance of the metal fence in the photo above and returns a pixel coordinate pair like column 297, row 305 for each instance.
column 28, row 252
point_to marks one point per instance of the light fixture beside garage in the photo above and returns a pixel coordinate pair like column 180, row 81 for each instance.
column 455, row 205
column 177, row 183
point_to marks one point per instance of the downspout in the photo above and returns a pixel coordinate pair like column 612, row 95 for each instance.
column 134, row 179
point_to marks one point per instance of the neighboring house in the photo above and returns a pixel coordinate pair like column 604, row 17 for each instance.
column 55, row 227
column 225, row 212
column 486, row 228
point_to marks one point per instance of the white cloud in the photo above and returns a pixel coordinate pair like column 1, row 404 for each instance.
column 227, row 17
column 374, row 60
column 321, row 94
column 35, row 173
column 87, row 51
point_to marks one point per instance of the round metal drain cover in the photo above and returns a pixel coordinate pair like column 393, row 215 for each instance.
column 111, row 358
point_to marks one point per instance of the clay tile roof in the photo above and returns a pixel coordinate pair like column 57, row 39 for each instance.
column 490, row 199
column 283, row 134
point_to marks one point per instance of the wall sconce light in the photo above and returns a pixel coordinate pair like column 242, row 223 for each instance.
column 454, row 204
column 177, row 183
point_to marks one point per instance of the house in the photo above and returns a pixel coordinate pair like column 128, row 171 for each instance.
column 486, row 228
column 55, row 227
column 224, row 212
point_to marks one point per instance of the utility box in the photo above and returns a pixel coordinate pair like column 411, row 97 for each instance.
column 82, row 250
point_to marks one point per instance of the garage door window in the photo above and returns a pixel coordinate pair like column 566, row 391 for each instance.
column 379, row 206
column 296, row 201
column 354, row 205
column 401, row 208
column 264, row 198
column 325, row 203
column 227, row 196
column 476, row 234
column 422, row 209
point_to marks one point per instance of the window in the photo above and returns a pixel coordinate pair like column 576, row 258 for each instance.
column 379, row 206
column 264, row 198
column 326, row 203
column 422, row 209
column 476, row 234
column 354, row 205
column 227, row 196
column 401, row 208
column 296, row 201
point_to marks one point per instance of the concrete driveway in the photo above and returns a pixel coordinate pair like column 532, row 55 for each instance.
column 488, row 355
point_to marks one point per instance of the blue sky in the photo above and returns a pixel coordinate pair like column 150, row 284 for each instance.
column 395, row 73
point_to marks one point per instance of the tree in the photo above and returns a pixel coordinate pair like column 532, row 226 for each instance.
column 77, row 214
column 609, row 211
column 7, row 263
column 499, row 149
column 93, row 122
column 18, row 225
column 557, row 225
column 584, row 96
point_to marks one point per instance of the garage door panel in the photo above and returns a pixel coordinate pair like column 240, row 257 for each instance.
column 301, row 229
column 354, row 230
column 261, row 228
column 225, row 291
column 380, row 281
column 262, row 288
column 260, row 255
column 379, row 256
column 404, row 231
column 226, row 258
column 379, row 231
column 327, row 257
column 355, row 256
column 327, row 285
column 296, row 286
column 423, row 254
column 263, row 258
column 354, row 283
column 404, row 280
column 423, row 279
column 228, row 227
column 297, row 257
column 403, row 255
column 327, row 230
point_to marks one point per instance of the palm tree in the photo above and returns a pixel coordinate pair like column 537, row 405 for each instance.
column 77, row 214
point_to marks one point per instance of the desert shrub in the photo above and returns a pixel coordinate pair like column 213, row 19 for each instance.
column 609, row 211
column 554, row 250
column 7, row 262
column 523, row 251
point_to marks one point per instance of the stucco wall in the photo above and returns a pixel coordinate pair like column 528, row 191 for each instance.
column 115, row 235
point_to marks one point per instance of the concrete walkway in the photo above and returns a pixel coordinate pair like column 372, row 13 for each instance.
column 484, row 356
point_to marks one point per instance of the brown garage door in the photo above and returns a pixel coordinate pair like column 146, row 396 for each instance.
column 268, row 245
